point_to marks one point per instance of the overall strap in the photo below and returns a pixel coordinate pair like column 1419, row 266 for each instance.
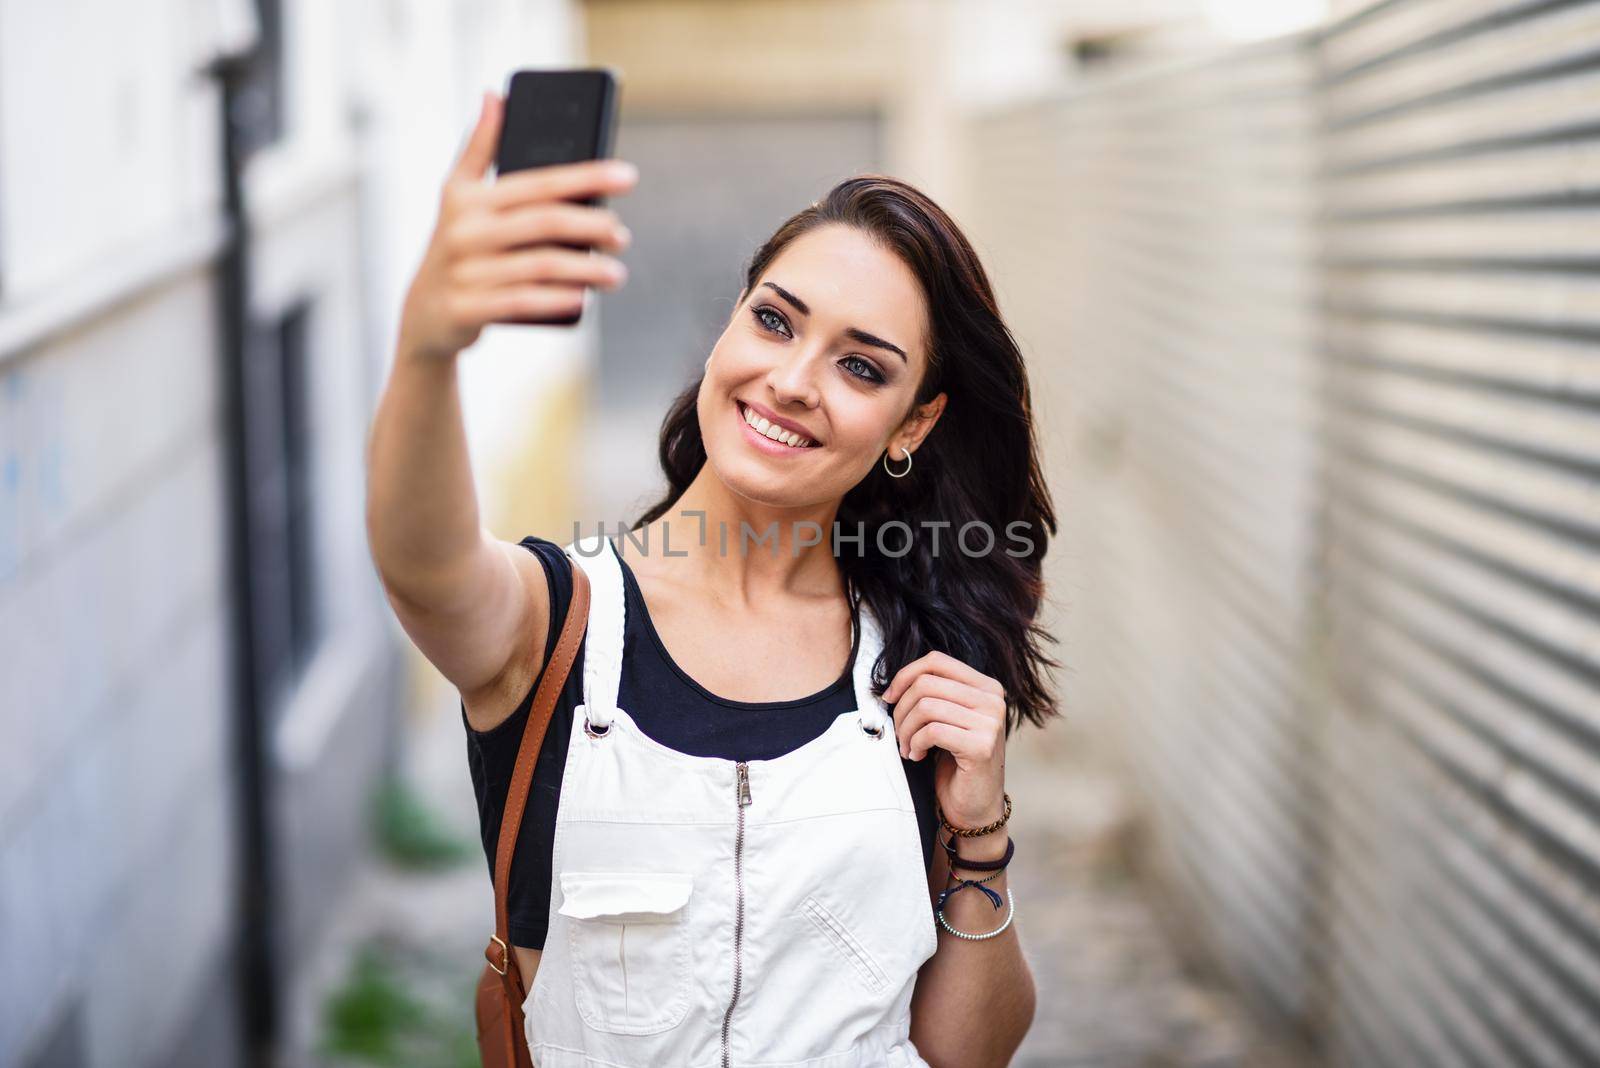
column 602, row 656
column 871, row 711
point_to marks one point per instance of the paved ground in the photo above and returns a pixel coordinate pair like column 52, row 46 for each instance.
column 1112, row 990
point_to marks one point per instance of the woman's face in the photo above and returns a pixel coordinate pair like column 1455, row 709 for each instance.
column 831, row 343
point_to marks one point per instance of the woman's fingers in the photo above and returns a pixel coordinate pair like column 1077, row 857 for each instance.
column 473, row 162
column 939, row 663
column 913, row 732
column 562, row 181
column 576, row 224
column 928, row 684
column 541, row 264
column 931, row 696
column 483, row 263
column 958, row 741
column 519, row 302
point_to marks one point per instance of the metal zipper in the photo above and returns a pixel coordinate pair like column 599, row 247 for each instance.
column 743, row 796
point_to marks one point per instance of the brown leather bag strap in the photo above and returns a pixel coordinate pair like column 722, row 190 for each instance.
column 544, row 703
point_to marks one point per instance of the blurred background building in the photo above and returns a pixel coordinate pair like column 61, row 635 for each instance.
column 1308, row 298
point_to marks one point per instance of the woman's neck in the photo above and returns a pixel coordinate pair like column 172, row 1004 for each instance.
column 742, row 552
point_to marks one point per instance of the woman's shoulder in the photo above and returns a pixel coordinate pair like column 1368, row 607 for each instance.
column 557, row 568
column 558, row 574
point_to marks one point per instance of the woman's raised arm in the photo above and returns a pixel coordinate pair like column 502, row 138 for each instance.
column 471, row 602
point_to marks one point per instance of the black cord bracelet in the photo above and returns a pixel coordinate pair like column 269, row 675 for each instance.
column 978, row 865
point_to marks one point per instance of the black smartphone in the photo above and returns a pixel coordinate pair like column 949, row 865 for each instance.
column 564, row 115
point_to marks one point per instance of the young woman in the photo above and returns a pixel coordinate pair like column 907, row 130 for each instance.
column 712, row 870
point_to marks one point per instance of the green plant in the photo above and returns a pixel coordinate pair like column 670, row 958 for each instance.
column 379, row 1016
column 410, row 834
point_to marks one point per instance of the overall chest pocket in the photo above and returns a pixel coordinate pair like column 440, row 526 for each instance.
column 629, row 941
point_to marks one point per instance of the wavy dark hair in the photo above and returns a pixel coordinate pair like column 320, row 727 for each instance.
column 979, row 463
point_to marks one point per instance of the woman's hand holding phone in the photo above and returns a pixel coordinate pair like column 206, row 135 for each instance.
column 495, row 255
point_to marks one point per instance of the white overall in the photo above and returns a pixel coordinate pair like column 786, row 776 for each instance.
column 717, row 913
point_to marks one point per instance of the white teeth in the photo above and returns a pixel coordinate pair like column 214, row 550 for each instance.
column 774, row 431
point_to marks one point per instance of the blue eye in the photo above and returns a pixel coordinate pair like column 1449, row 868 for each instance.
column 871, row 374
column 761, row 313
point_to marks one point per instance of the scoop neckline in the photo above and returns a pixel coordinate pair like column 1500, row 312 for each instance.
column 636, row 595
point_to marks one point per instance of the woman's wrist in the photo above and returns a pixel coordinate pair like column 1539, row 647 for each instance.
column 414, row 353
column 985, row 822
column 966, row 905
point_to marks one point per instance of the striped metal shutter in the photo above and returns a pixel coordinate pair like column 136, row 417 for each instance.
column 1462, row 167
column 1155, row 249
column 1313, row 328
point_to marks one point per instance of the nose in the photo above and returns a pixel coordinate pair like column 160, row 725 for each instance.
column 794, row 380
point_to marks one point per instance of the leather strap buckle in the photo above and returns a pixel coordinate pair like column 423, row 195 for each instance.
column 505, row 955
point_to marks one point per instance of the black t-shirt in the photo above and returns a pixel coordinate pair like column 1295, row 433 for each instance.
column 670, row 707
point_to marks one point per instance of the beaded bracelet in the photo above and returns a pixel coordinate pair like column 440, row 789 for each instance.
column 1010, row 912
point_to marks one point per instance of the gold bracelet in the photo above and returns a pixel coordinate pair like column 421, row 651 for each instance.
column 981, row 831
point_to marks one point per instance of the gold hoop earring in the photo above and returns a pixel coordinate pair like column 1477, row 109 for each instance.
column 894, row 474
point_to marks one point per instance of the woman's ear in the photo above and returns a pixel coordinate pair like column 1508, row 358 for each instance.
column 920, row 423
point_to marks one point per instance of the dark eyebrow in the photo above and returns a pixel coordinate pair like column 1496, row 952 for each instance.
column 851, row 332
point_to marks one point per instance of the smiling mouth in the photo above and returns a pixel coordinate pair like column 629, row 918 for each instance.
column 787, row 438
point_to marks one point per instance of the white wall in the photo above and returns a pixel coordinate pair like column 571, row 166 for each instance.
column 105, row 131
column 116, row 779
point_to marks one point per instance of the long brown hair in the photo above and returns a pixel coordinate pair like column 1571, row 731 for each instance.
column 979, row 463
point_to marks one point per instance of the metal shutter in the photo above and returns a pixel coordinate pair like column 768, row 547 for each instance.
column 1313, row 327
column 1156, row 241
column 1464, row 515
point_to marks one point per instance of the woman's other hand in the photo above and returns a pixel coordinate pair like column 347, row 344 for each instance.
column 944, row 702
column 478, row 267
